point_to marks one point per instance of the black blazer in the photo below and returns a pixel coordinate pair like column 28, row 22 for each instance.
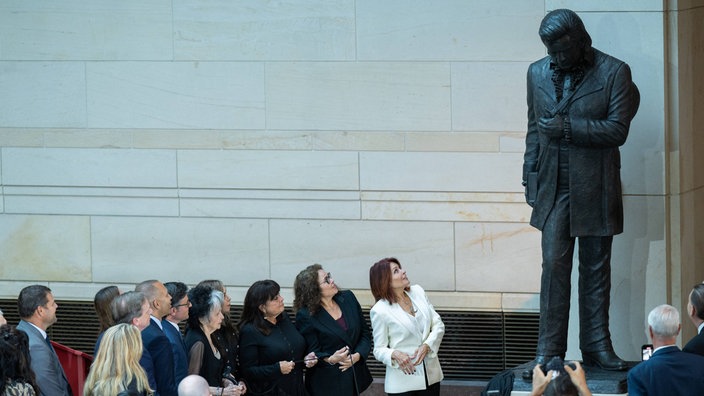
column 696, row 344
column 159, row 347
column 324, row 336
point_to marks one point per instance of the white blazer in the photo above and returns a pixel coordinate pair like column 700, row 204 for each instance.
column 394, row 329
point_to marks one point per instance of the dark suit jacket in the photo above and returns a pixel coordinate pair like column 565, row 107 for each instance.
column 668, row 372
column 696, row 344
column 45, row 363
column 324, row 336
column 178, row 347
column 159, row 347
column 600, row 113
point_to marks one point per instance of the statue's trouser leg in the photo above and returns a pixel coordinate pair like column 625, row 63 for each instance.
column 594, row 293
column 558, row 251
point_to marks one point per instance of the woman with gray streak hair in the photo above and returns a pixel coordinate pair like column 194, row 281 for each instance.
column 206, row 357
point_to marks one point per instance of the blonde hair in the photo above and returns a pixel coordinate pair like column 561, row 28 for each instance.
column 116, row 364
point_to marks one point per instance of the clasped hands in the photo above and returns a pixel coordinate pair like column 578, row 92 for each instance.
column 407, row 363
column 343, row 358
column 552, row 127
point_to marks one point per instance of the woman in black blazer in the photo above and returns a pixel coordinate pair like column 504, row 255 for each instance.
column 335, row 330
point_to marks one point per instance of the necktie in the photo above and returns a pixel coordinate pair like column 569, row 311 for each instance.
column 48, row 342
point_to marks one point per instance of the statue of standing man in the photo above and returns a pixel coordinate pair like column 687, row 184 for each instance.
column 580, row 105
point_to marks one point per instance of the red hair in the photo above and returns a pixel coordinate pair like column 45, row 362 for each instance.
column 380, row 280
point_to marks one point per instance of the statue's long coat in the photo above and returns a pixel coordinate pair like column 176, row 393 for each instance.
column 600, row 112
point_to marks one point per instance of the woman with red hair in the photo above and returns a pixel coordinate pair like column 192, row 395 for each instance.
column 407, row 332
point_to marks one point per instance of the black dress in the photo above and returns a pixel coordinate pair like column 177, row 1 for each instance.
column 260, row 354
column 198, row 349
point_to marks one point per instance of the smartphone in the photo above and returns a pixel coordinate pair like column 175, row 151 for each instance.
column 646, row 351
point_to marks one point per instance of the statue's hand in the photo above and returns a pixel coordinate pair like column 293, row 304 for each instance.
column 551, row 127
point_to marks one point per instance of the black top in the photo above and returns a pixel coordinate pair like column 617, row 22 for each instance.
column 199, row 350
column 260, row 354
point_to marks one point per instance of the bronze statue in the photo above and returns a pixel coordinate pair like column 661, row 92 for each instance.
column 580, row 105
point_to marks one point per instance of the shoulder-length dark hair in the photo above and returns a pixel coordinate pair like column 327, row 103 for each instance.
column 15, row 360
column 102, row 301
column 259, row 293
column 306, row 289
column 380, row 280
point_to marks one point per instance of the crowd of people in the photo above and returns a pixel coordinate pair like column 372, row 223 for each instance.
column 141, row 349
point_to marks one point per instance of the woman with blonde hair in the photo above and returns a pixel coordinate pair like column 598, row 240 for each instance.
column 116, row 369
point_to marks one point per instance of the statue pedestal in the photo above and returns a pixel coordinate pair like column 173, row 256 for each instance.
column 599, row 382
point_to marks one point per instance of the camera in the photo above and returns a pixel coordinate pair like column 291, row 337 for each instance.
column 557, row 365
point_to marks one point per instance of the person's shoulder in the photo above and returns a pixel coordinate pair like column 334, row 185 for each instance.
column 417, row 289
column 248, row 329
column 303, row 311
column 24, row 326
column 381, row 305
column 606, row 60
column 693, row 357
column 639, row 368
column 347, row 295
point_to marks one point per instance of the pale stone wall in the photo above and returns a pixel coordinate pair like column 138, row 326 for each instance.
column 183, row 140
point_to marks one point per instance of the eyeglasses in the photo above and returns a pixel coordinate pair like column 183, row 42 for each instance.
column 187, row 304
column 327, row 278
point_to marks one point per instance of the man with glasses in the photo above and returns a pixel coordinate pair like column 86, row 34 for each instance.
column 178, row 313
column 37, row 310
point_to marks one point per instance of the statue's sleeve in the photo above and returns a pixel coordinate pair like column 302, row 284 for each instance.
column 611, row 130
column 530, row 157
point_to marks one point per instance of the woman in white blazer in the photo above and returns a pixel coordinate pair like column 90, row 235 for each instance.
column 406, row 330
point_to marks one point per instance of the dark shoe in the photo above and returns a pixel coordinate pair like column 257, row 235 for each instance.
column 527, row 373
column 606, row 360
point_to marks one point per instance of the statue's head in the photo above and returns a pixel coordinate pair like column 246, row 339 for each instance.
column 565, row 37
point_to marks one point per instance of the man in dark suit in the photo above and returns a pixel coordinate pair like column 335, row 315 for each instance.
column 177, row 314
column 695, row 308
column 669, row 371
column 37, row 309
column 155, row 340
column 580, row 105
